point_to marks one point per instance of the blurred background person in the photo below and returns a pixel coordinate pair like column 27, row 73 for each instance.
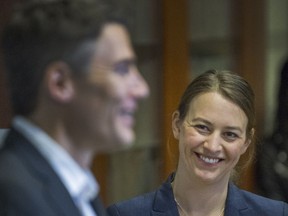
column 3, row 133
column 214, row 125
column 74, row 89
column 272, row 161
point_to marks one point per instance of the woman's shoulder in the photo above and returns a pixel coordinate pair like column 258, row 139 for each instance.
column 259, row 198
column 137, row 206
column 245, row 199
column 160, row 200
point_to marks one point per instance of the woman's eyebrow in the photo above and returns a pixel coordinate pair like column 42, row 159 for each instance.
column 199, row 119
column 234, row 128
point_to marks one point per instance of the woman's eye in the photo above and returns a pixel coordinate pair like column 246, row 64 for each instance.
column 230, row 136
column 202, row 128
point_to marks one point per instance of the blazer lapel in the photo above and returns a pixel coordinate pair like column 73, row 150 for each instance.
column 59, row 198
column 235, row 204
column 98, row 207
column 164, row 203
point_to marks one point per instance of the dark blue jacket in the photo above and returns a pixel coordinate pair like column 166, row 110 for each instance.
column 28, row 184
column 161, row 202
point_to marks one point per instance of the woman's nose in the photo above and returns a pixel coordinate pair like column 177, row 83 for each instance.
column 213, row 142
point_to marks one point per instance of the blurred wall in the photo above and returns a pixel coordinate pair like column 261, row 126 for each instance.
column 276, row 54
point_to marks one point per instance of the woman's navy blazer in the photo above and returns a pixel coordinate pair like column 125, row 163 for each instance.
column 161, row 202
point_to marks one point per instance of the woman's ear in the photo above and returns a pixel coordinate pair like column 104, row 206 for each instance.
column 176, row 123
column 59, row 81
column 248, row 141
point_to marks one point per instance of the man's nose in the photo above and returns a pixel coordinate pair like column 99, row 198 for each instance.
column 139, row 87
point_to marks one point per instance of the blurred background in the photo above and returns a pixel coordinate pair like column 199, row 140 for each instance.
column 175, row 41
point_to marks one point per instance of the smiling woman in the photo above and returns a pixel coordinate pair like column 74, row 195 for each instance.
column 210, row 143
column 214, row 126
column 236, row 91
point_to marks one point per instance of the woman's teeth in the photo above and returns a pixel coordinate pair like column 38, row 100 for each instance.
column 209, row 160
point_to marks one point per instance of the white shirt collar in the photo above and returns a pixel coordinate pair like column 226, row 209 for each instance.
column 79, row 182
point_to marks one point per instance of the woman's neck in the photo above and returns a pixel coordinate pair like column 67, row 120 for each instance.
column 197, row 198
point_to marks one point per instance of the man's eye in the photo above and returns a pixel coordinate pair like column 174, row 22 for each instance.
column 122, row 68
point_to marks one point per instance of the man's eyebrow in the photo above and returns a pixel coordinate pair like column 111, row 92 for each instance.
column 130, row 61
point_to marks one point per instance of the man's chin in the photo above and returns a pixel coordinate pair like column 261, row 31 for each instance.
column 120, row 143
column 125, row 143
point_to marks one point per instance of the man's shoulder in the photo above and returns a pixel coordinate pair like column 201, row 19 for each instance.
column 13, row 167
column 26, row 178
column 17, row 159
column 10, row 157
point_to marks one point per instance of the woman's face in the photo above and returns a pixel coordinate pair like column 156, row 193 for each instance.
column 212, row 137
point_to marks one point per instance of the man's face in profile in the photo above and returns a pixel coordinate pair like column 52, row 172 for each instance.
column 108, row 96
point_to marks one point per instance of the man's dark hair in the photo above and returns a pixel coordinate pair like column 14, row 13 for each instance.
column 44, row 31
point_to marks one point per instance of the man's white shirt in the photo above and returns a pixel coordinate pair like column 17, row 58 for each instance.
column 79, row 182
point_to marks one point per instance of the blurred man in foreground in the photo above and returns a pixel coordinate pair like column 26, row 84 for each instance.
column 74, row 90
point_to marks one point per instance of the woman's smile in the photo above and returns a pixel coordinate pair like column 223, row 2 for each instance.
column 207, row 159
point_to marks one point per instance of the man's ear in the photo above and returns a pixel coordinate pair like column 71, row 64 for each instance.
column 176, row 123
column 59, row 81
